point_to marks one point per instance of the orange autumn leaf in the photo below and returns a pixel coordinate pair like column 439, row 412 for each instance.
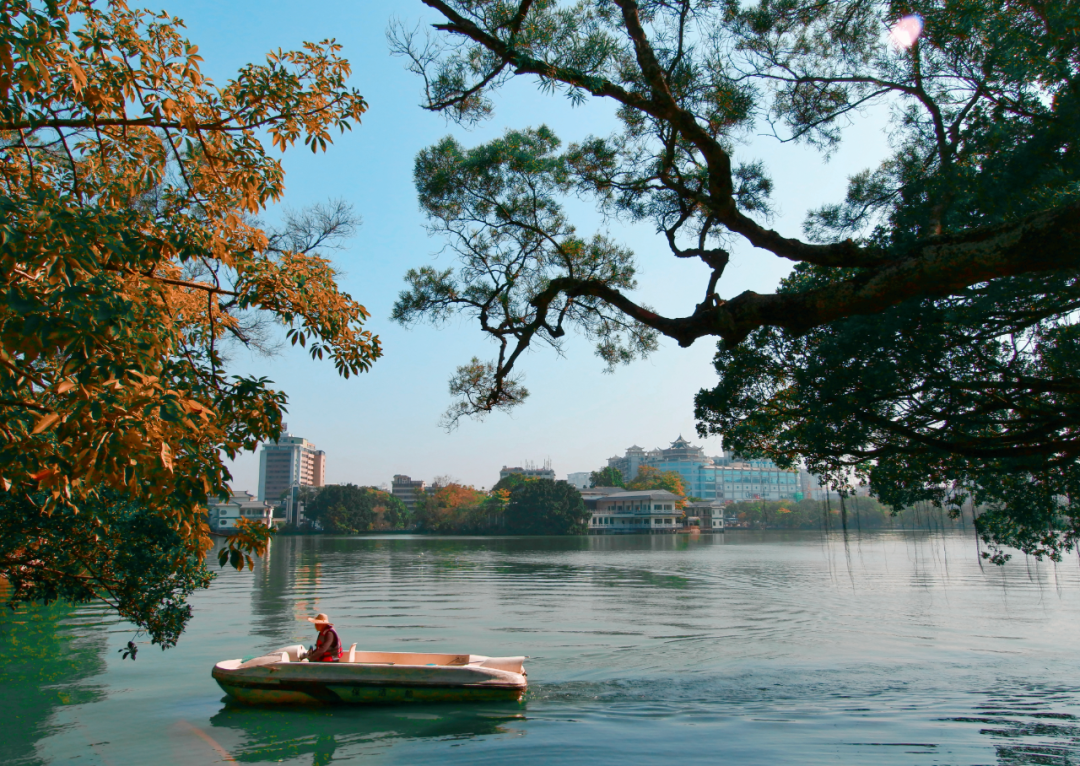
column 45, row 422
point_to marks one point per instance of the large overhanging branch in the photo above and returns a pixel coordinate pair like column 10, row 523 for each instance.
column 1042, row 443
column 230, row 124
column 941, row 266
column 938, row 267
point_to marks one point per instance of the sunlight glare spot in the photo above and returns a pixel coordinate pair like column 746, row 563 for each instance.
column 905, row 32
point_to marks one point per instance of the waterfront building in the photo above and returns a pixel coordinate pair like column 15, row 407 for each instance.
column 529, row 471
column 291, row 461
column 706, row 516
column 580, row 479
column 722, row 478
column 652, row 512
column 223, row 515
column 406, row 490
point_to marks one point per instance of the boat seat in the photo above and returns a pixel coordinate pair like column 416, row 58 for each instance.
column 351, row 657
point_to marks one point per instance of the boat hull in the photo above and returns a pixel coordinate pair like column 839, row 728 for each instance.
column 389, row 678
column 299, row 693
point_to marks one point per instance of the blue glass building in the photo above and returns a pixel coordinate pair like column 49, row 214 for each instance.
column 723, row 478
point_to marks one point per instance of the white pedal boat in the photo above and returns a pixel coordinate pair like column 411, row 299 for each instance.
column 372, row 678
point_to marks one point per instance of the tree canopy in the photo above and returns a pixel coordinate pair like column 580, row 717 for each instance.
column 649, row 477
column 607, row 477
column 862, row 513
column 348, row 509
column 453, row 508
column 131, row 558
column 131, row 255
column 925, row 338
column 517, row 504
column 510, row 482
column 546, row 507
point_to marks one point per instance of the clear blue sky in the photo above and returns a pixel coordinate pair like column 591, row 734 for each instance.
column 386, row 421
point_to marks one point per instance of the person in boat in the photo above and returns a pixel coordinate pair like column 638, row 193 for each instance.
column 328, row 646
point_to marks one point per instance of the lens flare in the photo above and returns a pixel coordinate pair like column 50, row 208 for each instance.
column 905, row 32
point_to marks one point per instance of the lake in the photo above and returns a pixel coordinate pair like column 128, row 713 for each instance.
column 744, row 648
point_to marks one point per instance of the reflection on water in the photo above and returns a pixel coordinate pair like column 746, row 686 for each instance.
column 746, row 648
column 44, row 669
column 267, row 736
column 1024, row 728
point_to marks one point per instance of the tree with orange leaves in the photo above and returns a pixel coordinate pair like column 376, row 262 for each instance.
column 649, row 477
column 450, row 507
column 130, row 254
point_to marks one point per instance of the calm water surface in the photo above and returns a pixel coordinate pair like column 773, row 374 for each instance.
column 761, row 648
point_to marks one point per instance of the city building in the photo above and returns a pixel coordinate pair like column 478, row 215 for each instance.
column 706, row 516
column 224, row 515
column 530, row 471
column 580, row 480
column 406, row 490
column 293, row 507
column 620, row 511
column 652, row 512
column 629, row 463
column 722, row 478
column 591, row 494
column 289, row 462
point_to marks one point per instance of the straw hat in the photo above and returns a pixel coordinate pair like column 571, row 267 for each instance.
column 319, row 619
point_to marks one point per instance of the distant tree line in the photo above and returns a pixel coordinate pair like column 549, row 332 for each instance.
column 516, row 505
column 519, row 505
column 346, row 509
column 856, row 513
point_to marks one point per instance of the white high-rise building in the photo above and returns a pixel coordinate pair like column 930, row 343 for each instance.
column 288, row 462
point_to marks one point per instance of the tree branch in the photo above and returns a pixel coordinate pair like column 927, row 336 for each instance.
column 1045, row 241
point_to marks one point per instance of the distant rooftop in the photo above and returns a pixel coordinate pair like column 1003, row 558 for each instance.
column 603, row 491
column 650, row 494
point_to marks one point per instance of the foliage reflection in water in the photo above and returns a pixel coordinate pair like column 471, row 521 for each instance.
column 757, row 648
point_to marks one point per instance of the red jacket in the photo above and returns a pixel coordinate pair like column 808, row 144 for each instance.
column 327, row 647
